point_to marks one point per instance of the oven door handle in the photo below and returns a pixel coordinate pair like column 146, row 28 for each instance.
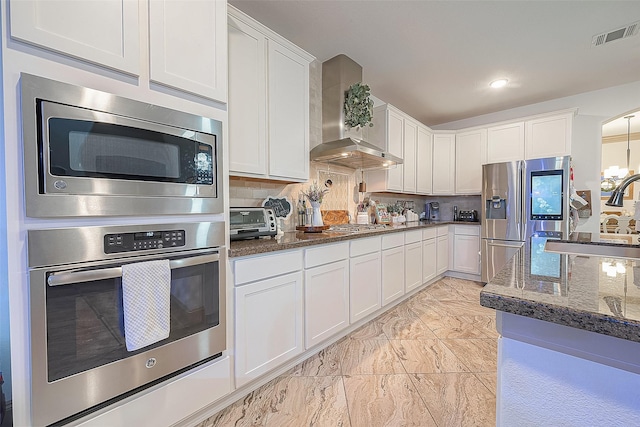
column 71, row 277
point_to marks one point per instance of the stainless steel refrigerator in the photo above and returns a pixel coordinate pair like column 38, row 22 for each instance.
column 521, row 199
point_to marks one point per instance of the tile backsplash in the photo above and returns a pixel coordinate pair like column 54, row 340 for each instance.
column 343, row 194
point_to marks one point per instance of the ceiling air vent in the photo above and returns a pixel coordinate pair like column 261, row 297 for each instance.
column 621, row 33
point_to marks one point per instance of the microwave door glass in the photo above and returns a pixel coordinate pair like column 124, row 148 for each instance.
column 79, row 148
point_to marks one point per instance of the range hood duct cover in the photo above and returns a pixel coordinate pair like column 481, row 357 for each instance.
column 342, row 146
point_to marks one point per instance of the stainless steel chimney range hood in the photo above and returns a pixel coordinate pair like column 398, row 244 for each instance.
column 342, row 146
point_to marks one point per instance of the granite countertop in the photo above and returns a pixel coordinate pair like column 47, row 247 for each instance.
column 292, row 240
column 593, row 293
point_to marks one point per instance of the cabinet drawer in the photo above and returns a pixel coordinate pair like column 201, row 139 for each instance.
column 412, row 236
column 262, row 267
column 442, row 231
column 365, row 246
column 392, row 240
column 467, row 230
column 429, row 233
column 325, row 254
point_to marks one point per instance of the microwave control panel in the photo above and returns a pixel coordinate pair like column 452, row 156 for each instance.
column 145, row 240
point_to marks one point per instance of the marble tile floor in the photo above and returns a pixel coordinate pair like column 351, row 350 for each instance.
column 430, row 361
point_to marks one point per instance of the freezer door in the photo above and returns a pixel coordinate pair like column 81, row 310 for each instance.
column 495, row 254
column 502, row 186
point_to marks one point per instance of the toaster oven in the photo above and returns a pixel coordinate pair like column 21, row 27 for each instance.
column 251, row 223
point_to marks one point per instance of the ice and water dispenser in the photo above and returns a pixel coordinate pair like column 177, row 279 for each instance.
column 496, row 208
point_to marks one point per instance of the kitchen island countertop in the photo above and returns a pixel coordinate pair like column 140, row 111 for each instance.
column 592, row 293
column 292, row 240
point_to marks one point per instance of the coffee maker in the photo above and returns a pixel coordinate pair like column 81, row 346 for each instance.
column 432, row 211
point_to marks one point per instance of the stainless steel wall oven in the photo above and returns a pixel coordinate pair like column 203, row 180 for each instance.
column 89, row 153
column 78, row 354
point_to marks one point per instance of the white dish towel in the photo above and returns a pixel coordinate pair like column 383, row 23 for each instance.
column 146, row 293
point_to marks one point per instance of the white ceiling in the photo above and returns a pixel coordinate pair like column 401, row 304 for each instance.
column 434, row 59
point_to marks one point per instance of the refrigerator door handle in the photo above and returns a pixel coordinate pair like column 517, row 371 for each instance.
column 506, row 245
column 521, row 201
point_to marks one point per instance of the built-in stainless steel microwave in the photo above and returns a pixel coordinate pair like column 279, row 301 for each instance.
column 91, row 153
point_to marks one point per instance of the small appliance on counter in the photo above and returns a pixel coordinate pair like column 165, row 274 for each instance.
column 467, row 216
column 433, row 210
column 251, row 223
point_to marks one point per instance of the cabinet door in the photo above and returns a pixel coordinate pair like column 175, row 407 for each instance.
column 444, row 164
column 468, row 161
column 548, row 137
column 288, row 113
column 413, row 265
column 423, row 162
column 364, row 294
column 393, row 274
column 442, row 256
column 326, row 301
column 180, row 31
column 466, row 254
column 395, row 129
column 409, row 165
column 105, row 32
column 268, row 325
column 247, row 100
column 505, row 143
column 429, row 257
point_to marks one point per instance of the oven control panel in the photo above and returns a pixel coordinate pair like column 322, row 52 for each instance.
column 144, row 240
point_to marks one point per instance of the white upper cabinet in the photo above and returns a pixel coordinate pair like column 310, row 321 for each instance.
column 247, row 125
column 105, row 32
column 288, row 95
column 268, row 103
column 402, row 136
column 469, row 150
column 410, row 151
column 548, row 136
column 444, row 150
column 505, row 143
column 424, row 154
column 536, row 137
column 388, row 134
column 187, row 40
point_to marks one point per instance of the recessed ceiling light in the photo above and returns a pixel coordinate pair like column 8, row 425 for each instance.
column 498, row 83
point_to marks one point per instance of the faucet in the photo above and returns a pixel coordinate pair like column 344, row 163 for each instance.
column 618, row 194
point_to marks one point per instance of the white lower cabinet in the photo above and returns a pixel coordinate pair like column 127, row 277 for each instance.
column 393, row 271
column 364, row 277
column 269, row 314
column 429, row 254
column 413, row 259
column 442, row 249
column 326, row 292
column 326, row 300
column 466, row 249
